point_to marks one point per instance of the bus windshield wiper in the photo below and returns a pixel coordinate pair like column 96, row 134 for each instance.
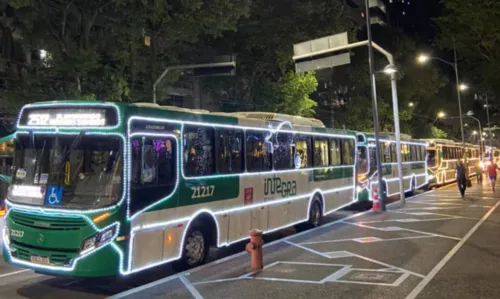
column 67, row 153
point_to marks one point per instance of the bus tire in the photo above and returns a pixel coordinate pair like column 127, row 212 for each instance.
column 195, row 248
column 315, row 212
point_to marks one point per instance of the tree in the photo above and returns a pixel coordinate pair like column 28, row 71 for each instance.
column 95, row 49
column 472, row 28
column 417, row 85
column 265, row 79
column 438, row 133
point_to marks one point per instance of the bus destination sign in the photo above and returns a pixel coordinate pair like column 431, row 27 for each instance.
column 67, row 117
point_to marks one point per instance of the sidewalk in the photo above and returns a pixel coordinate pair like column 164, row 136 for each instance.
column 405, row 252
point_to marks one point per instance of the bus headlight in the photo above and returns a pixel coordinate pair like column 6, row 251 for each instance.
column 6, row 236
column 97, row 240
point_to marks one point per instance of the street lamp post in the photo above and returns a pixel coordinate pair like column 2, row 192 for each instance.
column 459, row 87
column 388, row 70
column 470, row 114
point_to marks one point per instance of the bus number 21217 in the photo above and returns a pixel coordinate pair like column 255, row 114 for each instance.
column 202, row 191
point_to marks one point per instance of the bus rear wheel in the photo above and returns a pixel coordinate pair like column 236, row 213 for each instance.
column 194, row 250
column 315, row 212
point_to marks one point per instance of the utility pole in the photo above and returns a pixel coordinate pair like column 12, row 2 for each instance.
column 375, row 108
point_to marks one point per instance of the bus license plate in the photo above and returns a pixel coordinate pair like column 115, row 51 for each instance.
column 40, row 260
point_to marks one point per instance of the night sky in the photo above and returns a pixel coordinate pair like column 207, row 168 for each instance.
column 415, row 18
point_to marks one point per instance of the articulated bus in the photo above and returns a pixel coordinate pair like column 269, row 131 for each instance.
column 6, row 157
column 414, row 166
column 442, row 156
column 112, row 189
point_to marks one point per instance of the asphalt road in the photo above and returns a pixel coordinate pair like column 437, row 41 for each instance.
column 397, row 254
column 437, row 246
column 18, row 283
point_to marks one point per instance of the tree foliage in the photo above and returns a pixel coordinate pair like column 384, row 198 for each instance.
column 96, row 48
column 418, row 87
column 438, row 133
column 472, row 28
column 263, row 46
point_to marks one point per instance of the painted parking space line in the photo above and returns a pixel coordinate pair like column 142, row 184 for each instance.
column 439, row 214
column 14, row 273
column 190, row 287
column 428, row 278
column 374, row 241
column 403, row 229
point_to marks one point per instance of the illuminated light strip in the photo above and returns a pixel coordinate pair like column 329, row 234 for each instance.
column 198, row 178
column 217, row 125
column 395, row 163
column 181, row 244
column 244, row 174
column 239, row 209
column 42, row 209
column 62, row 105
column 15, row 260
column 213, row 214
column 158, row 263
column 129, row 175
column 402, row 142
column 396, row 179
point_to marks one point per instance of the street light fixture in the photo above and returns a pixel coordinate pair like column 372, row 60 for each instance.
column 474, row 132
column 390, row 69
column 463, row 87
column 441, row 114
column 410, row 104
column 422, row 58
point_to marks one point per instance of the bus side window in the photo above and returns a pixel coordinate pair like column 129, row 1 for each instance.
column 282, row 157
column 335, row 152
column 199, row 150
column 321, row 154
column 231, row 155
column 303, row 150
column 258, row 151
column 348, row 152
column 154, row 174
column 153, row 161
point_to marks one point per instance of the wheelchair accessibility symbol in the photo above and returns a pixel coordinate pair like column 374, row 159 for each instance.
column 53, row 196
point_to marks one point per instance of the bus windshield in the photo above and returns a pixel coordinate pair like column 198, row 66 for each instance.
column 431, row 158
column 362, row 167
column 88, row 170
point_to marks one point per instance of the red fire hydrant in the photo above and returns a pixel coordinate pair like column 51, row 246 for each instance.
column 255, row 249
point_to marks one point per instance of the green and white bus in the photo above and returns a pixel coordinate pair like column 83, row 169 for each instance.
column 442, row 157
column 102, row 189
column 6, row 158
column 414, row 164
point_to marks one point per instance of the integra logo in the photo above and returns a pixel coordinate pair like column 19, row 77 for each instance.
column 275, row 185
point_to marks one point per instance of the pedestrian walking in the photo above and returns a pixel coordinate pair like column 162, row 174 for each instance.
column 461, row 177
column 479, row 173
column 492, row 173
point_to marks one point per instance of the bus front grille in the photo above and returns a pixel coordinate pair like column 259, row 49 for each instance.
column 45, row 222
column 56, row 257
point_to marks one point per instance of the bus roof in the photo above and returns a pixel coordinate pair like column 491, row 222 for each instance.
column 252, row 119
column 7, row 138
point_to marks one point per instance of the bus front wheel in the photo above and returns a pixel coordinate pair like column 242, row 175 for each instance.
column 194, row 250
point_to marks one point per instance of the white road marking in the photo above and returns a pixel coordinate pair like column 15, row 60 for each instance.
column 374, row 241
column 14, row 273
column 414, row 293
column 190, row 287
